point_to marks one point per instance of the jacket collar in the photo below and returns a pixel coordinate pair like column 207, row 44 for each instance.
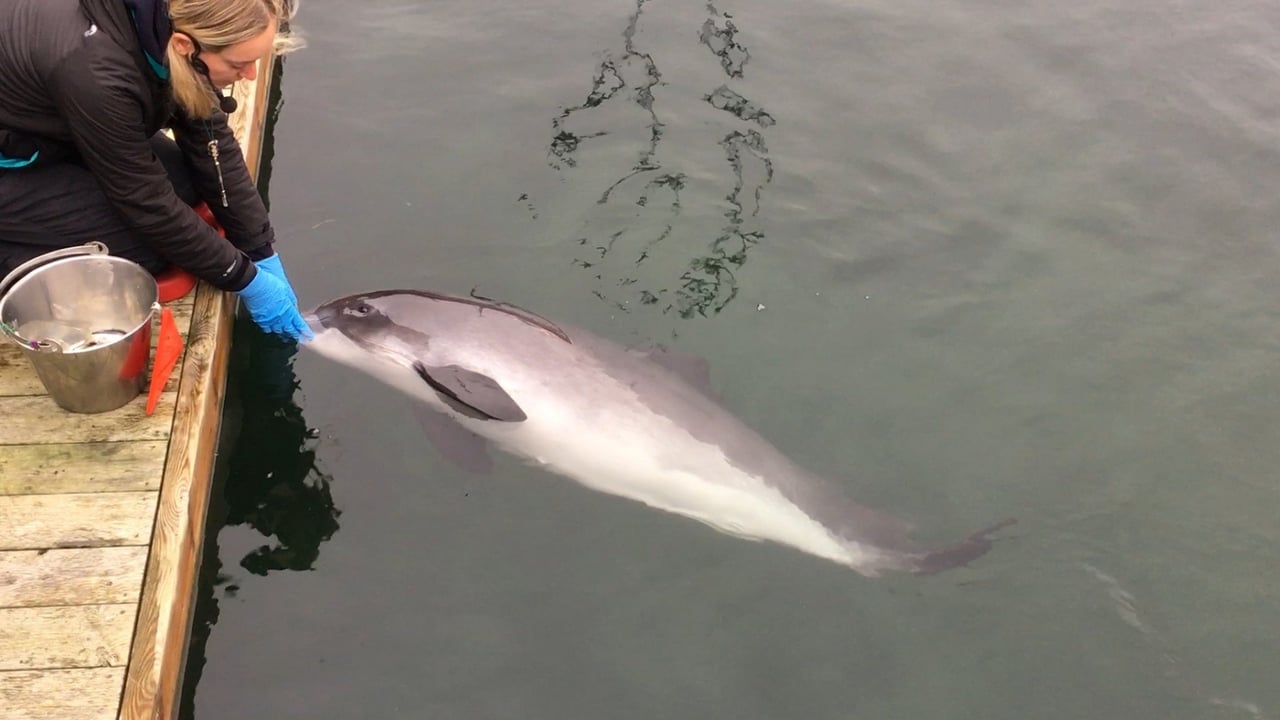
column 154, row 28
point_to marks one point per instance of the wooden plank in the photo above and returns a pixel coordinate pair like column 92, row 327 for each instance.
column 32, row 420
column 249, row 125
column 26, row 382
column 81, row 467
column 81, row 636
column 83, row 694
column 154, row 679
column 35, row 522
column 16, row 373
column 81, row 576
column 164, row 617
column 18, row 377
column 159, row 648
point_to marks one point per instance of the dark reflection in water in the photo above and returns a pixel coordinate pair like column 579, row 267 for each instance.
column 267, row 476
column 274, row 482
column 707, row 283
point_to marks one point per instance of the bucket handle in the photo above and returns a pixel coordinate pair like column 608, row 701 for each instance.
column 92, row 247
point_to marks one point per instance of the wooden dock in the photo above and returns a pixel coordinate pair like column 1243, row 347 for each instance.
column 102, row 519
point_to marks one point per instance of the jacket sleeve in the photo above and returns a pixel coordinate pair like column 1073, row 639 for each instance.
column 245, row 216
column 100, row 98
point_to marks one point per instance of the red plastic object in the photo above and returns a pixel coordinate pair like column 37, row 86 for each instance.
column 168, row 350
column 176, row 282
column 139, row 351
column 202, row 209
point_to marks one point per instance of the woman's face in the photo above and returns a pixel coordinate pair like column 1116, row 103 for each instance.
column 239, row 61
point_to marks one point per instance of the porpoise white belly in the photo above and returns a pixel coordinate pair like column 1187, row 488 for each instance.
column 623, row 448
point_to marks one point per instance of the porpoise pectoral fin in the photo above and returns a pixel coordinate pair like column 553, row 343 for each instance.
column 959, row 554
column 457, row 444
column 693, row 369
column 470, row 393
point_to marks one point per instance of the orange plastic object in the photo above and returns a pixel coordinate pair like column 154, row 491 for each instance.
column 168, row 350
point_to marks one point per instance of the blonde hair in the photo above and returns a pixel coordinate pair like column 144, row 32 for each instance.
column 217, row 25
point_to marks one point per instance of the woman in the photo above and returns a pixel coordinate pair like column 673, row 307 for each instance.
column 85, row 88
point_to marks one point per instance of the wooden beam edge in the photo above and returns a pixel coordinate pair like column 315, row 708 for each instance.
column 164, row 613
column 157, row 658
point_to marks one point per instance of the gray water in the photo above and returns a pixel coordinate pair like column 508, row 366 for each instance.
column 969, row 259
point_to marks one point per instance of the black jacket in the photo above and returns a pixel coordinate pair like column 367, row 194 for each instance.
column 85, row 81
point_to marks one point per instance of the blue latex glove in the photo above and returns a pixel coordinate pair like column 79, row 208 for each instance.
column 271, row 305
column 274, row 266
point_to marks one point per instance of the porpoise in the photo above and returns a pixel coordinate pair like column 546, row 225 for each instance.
column 637, row 422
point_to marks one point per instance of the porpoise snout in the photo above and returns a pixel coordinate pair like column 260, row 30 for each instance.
column 318, row 319
column 320, row 316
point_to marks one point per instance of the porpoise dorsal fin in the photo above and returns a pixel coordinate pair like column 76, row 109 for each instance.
column 471, row 393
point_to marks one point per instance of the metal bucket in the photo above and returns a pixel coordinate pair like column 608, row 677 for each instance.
column 83, row 318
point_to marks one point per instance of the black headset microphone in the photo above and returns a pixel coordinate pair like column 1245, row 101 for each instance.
column 226, row 103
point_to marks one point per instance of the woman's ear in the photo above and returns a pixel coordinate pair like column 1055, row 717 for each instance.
column 183, row 44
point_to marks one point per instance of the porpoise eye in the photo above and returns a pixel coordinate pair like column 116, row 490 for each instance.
column 361, row 310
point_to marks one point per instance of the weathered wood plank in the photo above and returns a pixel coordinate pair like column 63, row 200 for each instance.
column 154, row 680
column 81, row 467
column 164, row 617
column 80, row 576
column 29, row 420
column 17, row 377
column 81, row 636
column 249, row 125
column 16, row 373
column 83, row 694
column 34, row 522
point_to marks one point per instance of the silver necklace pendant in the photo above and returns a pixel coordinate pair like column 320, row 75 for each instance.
column 213, row 153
